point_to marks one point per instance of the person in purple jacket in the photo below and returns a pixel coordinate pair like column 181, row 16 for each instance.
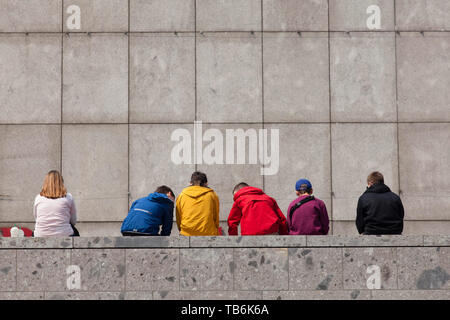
column 307, row 215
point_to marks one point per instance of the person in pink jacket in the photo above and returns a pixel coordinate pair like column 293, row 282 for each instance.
column 307, row 215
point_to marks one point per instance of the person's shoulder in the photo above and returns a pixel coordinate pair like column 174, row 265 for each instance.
column 213, row 194
column 69, row 196
column 395, row 196
column 365, row 195
column 38, row 198
column 293, row 202
column 319, row 201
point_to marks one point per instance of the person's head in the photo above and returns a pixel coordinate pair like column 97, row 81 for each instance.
column 199, row 179
column 374, row 178
column 302, row 187
column 239, row 186
column 167, row 191
column 53, row 186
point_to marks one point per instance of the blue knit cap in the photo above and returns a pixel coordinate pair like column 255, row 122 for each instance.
column 302, row 181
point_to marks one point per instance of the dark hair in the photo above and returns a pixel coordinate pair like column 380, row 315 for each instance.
column 199, row 179
column 239, row 186
column 375, row 177
column 304, row 189
column 164, row 190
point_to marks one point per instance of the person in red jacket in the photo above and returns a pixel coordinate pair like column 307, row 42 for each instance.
column 257, row 213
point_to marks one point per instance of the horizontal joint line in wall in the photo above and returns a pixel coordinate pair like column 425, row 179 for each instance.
column 218, row 123
column 223, row 31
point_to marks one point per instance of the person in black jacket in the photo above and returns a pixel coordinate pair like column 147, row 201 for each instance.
column 379, row 211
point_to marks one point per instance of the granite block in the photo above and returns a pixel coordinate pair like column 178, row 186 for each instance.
column 206, row 269
column 101, row 269
column 315, row 269
column 42, row 269
column 261, row 269
column 152, row 269
column 8, row 266
column 359, row 268
column 424, row 268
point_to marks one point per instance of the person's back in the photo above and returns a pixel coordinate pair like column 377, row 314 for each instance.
column 54, row 209
column 257, row 213
column 379, row 210
column 197, row 209
column 148, row 214
column 307, row 215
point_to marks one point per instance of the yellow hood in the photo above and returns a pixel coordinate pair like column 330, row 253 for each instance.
column 197, row 211
column 196, row 191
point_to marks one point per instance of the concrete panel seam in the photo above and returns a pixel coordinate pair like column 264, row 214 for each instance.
column 330, row 119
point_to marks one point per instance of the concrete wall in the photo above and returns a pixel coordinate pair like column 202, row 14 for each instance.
column 252, row 267
column 100, row 103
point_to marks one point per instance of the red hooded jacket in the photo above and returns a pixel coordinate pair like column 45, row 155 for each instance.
column 258, row 214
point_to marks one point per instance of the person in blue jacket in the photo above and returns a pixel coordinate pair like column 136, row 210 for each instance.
column 147, row 214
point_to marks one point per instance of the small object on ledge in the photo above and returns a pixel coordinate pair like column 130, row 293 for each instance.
column 12, row 232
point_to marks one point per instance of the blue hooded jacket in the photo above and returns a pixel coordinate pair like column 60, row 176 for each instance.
column 149, row 213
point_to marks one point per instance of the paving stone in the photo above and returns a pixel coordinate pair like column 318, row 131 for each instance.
column 206, row 269
column 101, row 269
column 42, row 269
column 315, row 269
column 8, row 270
column 361, row 264
column 317, row 295
column 424, row 268
column 153, row 269
column 260, row 269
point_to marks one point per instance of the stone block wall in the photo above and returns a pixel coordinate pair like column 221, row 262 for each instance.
column 243, row 268
column 100, row 102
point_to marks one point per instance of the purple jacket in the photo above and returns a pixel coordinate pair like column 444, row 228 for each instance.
column 311, row 218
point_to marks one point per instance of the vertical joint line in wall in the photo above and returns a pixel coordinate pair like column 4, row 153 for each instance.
column 61, row 90
column 128, row 113
column 16, row 289
column 396, row 265
column 342, row 268
column 234, row 266
column 396, row 96
column 288, row 270
column 262, row 87
column 329, row 115
column 179, row 268
column 195, row 78
column 125, row 273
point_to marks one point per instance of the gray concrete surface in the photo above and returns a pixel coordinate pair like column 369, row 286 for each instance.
column 199, row 268
column 101, row 102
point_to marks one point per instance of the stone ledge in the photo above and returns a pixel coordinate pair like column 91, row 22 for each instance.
column 364, row 241
column 443, row 240
column 36, row 243
column 131, row 242
column 233, row 295
column 248, row 241
column 225, row 242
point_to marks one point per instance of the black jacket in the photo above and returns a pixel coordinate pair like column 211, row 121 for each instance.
column 379, row 211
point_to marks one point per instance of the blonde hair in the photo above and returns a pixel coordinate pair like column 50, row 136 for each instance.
column 53, row 186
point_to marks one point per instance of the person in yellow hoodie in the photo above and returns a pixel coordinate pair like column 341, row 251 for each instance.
column 197, row 208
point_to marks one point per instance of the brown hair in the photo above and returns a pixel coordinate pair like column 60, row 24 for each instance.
column 199, row 179
column 375, row 177
column 239, row 186
column 304, row 189
column 164, row 190
column 53, row 186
